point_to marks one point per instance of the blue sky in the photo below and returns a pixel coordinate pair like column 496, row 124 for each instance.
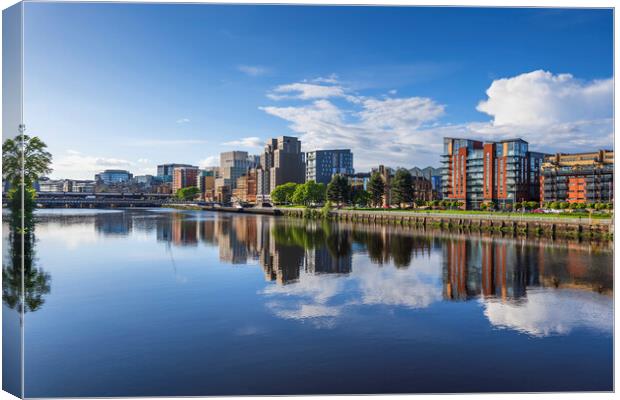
column 134, row 85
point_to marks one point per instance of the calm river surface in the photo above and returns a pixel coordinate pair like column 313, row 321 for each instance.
column 164, row 302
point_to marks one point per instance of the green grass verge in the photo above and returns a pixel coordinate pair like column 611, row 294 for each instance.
column 476, row 212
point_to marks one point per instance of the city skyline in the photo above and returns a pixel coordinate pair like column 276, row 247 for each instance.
column 183, row 83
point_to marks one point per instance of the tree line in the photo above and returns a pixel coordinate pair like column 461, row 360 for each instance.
column 340, row 192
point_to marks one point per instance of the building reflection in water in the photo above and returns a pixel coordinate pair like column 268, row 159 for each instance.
column 475, row 267
column 503, row 269
column 310, row 261
column 114, row 223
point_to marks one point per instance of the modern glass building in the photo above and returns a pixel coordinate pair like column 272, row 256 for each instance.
column 476, row 172
column 321, row 165
column 112, row 176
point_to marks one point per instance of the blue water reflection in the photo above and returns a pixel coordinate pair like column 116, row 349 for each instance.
column 163, row 302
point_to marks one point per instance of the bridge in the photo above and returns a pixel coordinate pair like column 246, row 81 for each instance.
column 103, row 195
column 101, row 200
column 99, row 203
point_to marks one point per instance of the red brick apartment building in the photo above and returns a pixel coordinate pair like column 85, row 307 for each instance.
column 476, row 172
column 578, row 177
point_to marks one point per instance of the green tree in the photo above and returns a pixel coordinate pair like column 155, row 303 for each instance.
column 376, row 188
column 315, row 192
column 25, row 155
column 402, row 187
column 24, row 160
column 361, row 198
column 308, row 193
column 300, row 196
column 563, row 205
column 283, row 194
column 339, row 190
column 188, row 193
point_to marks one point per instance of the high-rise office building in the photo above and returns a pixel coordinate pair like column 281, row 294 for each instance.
column 321, row 165
column 183, row 177
column 477, row 172
column 234, row 164
column 281, row 162
column 206, row 184
column 578, row 178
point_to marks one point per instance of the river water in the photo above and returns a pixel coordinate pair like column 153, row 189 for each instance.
column 164, row 302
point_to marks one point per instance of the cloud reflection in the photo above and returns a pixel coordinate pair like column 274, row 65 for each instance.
column 548, row 312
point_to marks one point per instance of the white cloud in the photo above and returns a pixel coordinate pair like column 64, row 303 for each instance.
column 552, row 112
column 210, row 161
column 81, row 166
column 252, row 141
column 542, row 98
column 306, row 91
column 404, row 113
column 182, row 120
column 332, row 78
column 77, row 165
column 253, row 70
column 378, row 131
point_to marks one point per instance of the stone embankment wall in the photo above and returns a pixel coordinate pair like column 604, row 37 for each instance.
column 526, row 225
